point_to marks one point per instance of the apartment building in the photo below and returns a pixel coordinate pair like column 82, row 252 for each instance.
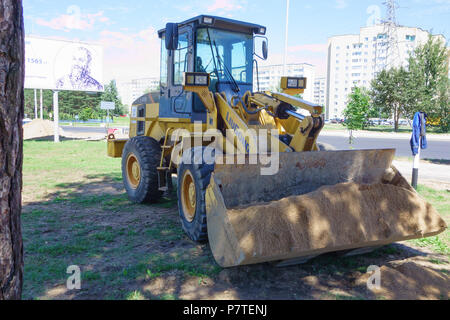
column 356, row 59
column 320, row 91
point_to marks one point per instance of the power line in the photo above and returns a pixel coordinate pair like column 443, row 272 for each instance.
column 391, row 34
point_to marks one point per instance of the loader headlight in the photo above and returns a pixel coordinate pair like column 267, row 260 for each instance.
column 201, row 80
column 208, row 20
column 293, row 83
column 302, row 83
column 198, row 79
column 261, row 31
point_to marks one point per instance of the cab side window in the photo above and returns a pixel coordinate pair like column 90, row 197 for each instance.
column 180, row 59
column 164, row 56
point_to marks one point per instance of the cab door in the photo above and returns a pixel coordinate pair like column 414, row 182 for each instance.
column 182, row 61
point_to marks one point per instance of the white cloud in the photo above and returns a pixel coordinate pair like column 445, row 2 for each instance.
column 224, row 5
column 341, row 4
column 130, row 55
column 74, row 20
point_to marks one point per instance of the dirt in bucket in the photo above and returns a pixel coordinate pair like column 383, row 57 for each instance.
column 344, row 216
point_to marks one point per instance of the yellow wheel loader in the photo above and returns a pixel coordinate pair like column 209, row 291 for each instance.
column 251, row 178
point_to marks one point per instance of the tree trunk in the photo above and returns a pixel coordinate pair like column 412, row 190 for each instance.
column 11, row 147
column 396, row 118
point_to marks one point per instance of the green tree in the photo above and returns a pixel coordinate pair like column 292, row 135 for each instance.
column 389, row 93
column 87, row 114
column 29, row 102
column 428, row 83
column 357, row 110
column 111, row 94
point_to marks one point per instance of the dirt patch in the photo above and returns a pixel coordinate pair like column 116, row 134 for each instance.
column 39, row 129
column 334, row 218
column 410, row 281
column 128, row 251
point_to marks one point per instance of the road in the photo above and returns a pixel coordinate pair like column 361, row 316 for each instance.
column 437, row 149
column 75, row 130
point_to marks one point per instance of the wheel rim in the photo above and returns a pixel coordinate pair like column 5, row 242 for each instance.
column 188, row 196
column 133, row 171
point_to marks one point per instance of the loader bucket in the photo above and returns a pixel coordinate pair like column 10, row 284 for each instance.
column 318, row 202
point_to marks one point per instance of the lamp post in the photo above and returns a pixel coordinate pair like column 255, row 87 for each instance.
column 286, row 39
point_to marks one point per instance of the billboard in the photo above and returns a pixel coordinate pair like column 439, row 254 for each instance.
column 63, row 65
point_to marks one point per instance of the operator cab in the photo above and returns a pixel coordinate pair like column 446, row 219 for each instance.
column 222, row 47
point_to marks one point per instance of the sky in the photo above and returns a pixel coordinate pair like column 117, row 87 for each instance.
column 128, row 29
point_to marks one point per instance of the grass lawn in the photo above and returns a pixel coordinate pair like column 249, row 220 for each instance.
column 76, row 213
column 440, row 199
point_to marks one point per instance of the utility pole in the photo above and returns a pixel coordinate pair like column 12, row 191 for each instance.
column 56, row 115
column 35, row 104
column 286, row 39
column 42, row 105
column 391, row 32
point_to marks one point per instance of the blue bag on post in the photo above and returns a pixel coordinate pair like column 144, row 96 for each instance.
column 419, row 137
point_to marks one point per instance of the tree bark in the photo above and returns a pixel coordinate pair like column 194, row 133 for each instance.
column 11, row 147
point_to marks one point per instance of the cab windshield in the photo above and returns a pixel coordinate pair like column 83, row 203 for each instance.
column 223, row 52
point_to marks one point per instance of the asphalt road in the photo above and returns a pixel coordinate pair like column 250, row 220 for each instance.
column 437, row 149
column 75, row 130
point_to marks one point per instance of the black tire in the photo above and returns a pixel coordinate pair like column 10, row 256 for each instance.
column 147, row 152
column 201, row 174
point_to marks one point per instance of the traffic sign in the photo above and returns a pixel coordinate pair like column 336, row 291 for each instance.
column 105, row 105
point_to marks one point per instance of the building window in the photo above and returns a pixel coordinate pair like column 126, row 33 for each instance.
column 410, row 38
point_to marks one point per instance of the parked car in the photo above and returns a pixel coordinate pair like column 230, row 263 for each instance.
column 404, row 122
column 375, row 121
column 26, row 120
column 337, row 121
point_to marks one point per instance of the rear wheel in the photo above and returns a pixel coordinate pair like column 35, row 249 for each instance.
column 193, row 179
column 140, row 160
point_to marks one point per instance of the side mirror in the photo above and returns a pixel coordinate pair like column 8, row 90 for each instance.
column 265, row 50
column 172, row 36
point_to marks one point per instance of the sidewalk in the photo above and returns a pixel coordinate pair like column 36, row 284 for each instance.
column 436, row 176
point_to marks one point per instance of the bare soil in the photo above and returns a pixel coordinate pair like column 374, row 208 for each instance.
column 140, row 252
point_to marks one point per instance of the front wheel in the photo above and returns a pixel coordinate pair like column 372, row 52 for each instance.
column 193, row 179
column 140, row 160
